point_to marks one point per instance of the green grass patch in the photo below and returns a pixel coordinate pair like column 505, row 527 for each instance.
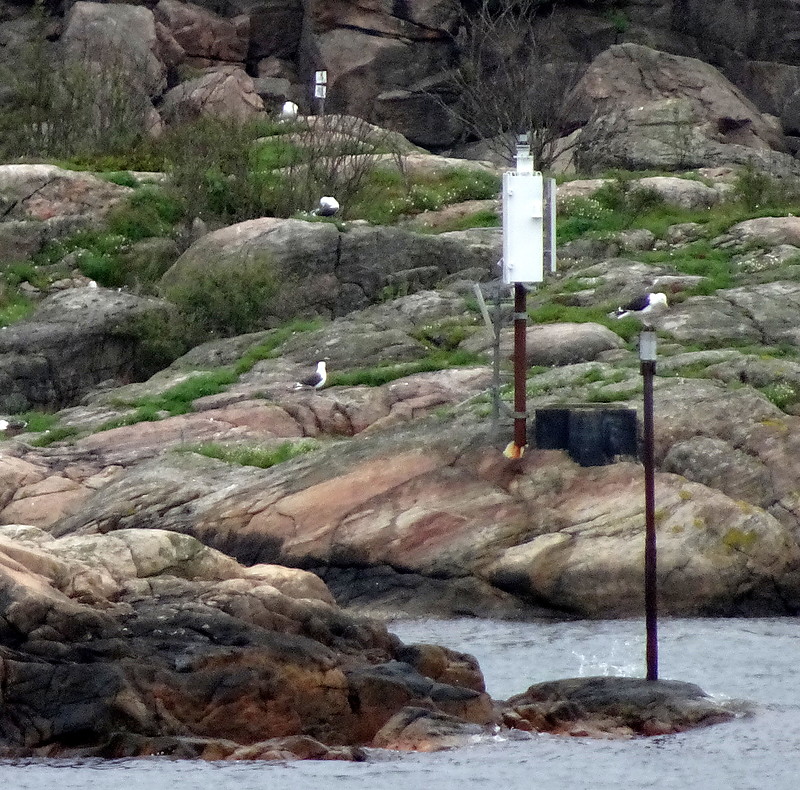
column 551, row 313
column 52, row 435
column 782, row 394
column 149, row 212
column 249, row 455
column 147, row 413
column 268, row 349
column 386, row 195
column 13, row 308
column 383, row 374
column 485, row 218
column 123, row 178
column 445, row 335
column 97, row 255
column 612, row 395
column 38, row 421
column 179, row 399
column 698, row 258
column 275, row 152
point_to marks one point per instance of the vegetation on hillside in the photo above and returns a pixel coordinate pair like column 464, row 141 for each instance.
column 218, row 172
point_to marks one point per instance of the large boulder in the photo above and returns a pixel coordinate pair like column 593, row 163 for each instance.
column 618, row 707
column 385, row 79
column 205, row 37
column 767, row 230
column 41, row 192
column 320, row 270
column 111, row 643
column 121, row 40
column 652, row 110
column 553, row 344
column 764, row 313
column 630, row 75
column 224, row 92
column 74, row 340
column 39, row 203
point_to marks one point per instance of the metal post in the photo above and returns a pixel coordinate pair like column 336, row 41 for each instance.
column 647, row 346
column 498, row 323
column 520, row 366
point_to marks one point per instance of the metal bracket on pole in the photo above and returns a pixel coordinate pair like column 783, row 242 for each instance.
column 550, row 224
column 476, row 289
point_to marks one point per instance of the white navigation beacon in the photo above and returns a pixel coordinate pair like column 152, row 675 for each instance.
column 523, row 222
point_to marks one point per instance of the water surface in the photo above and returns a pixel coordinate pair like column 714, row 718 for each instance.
column 732, row 659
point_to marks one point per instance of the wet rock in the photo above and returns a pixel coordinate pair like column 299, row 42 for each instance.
column 416, row 729
column 175, row 648
column 617, row 706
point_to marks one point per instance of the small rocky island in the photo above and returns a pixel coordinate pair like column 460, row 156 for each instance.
column 197, row 556
column 147, row 642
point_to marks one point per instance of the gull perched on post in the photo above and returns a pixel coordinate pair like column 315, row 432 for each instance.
column 315, row 381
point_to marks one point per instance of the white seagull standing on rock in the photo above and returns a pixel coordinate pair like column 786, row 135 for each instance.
column 288, row 111
column 315, row 381
column 12, row 427
column 328, row 206
column 642, row 305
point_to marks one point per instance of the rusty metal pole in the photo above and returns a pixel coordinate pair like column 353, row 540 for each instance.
column 520, row 366
column 647, row 346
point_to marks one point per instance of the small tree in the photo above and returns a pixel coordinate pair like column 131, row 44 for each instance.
column 507, row 86
column 334, row 155
column 87, row 104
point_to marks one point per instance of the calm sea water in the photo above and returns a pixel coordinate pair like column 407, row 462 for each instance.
column 754, row 660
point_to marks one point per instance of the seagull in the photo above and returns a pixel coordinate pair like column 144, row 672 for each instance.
column 642, row 305
column 315, row 381
column 328, row 206
column 12, row 427
column 288, row 111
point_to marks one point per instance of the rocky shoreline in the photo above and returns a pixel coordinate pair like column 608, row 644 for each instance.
column 196, row 557
column 146, row 642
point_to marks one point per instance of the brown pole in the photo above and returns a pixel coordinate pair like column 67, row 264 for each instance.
column 520, row 366
column 650, row 557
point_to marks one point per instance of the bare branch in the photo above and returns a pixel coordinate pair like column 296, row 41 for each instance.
column 505, row 83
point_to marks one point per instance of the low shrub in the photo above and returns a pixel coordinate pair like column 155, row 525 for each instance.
column 149, row 212
column 226, row 301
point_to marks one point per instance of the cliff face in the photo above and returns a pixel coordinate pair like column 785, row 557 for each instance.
column 392, row 63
